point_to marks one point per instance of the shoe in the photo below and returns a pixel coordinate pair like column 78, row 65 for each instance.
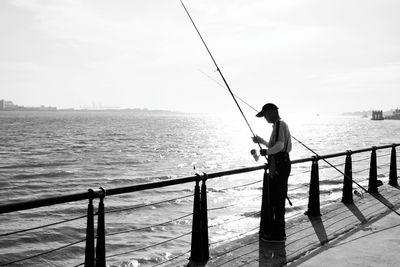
column 273, row 239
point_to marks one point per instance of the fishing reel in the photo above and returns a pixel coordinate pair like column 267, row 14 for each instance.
column 263, row 153
column 255, row 155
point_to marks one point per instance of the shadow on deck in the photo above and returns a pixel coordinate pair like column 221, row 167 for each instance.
column 307, row 236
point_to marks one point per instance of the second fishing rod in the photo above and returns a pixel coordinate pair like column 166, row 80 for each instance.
column 237, row 104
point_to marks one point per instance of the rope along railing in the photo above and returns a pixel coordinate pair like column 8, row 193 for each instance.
column 96, row 256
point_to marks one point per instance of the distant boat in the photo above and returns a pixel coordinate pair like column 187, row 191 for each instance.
column 377, row 115
column 365, row 116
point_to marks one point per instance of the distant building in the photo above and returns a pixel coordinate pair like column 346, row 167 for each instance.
column 7, row 105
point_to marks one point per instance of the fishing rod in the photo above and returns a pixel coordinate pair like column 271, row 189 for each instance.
column 253, row 152
column 304, row 145
column 220, row 72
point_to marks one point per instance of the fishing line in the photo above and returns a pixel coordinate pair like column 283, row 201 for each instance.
column 221, row 85
column 316, row 154
column 237, row 104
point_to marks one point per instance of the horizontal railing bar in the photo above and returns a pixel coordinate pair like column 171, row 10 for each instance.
column 342, row 153
column 140, row 187
column 42, row 202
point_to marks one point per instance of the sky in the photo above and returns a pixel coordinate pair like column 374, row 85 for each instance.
column 306, row 56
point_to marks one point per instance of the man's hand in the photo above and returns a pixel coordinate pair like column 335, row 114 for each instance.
column 257, row 139
column 263, row 152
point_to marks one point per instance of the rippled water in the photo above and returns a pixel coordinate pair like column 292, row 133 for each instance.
column 46, row 154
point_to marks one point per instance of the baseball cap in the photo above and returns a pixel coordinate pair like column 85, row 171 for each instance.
column 265, row 108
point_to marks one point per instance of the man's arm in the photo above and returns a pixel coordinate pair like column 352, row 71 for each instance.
column 278, row 147
column 260, row 140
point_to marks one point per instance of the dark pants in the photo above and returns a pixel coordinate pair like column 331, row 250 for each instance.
column 274, row 197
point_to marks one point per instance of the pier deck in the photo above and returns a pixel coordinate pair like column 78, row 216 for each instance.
column 365, row 233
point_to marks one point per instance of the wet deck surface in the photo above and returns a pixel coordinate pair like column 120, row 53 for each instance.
column 342, row 229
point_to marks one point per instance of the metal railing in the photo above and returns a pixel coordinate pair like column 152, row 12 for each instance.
column 95, row 255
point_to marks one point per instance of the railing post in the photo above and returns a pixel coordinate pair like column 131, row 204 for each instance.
column 347, row 196
column 199, row 253
column 393, row 167
column 204, row 219
column 373, row 176
column 101, row 234
column 196, row 254
column 313, row 199
column 89, row 248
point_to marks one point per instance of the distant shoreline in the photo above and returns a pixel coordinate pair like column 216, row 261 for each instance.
column 6, row 105
column 133, row 110
column 365, row 112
